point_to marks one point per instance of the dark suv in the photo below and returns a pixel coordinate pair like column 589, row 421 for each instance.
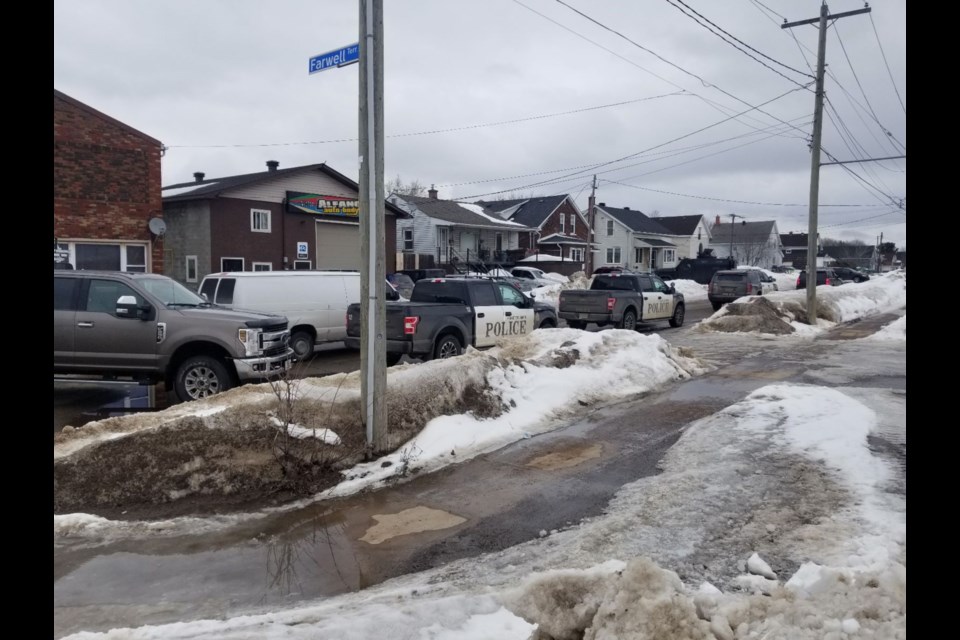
column 850, row 275
column 824, row 276
column 730, row 284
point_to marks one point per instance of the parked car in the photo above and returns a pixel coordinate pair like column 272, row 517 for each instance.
column 825, row 276
column 444, row 315
column 850, row 275
column 420, row 274
column 623, row 300
column 150, row 328
column 782, row 268
column 314, row 302
column 402, row 283
column 612, row 269
column 769, row 282
column 532, row 274
column 731, row 284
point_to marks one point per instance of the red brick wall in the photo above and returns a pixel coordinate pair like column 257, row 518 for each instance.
column 552, row 225
column 106, row 179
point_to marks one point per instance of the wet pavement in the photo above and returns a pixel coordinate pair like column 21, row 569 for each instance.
column 492, row 502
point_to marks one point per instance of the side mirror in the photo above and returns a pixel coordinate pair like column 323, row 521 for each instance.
column 127, row 307
column 204, row 296
column 392, row 295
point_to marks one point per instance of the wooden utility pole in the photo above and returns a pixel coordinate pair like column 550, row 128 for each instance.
column 733, row 217
column 373, row 353
column 815, row 151
column 592, row 218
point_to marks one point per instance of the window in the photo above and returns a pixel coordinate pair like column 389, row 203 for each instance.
column 65, row 293
column 609, row 227
column 102, row 296
column 260, row 220
column 484, row 295
column 499, row 243
column 646, row 284
column 191, row 268
column 107, row 257
column 563, row 226
column 638, row 255
column 443, row 235
column 136, row 258
column 573, row 224
column 263, row 266
column 408, row 239
column 511, row 295
column 231, row 264
column 659, row 285
column 613, row 255
column 301, row 265
column 576, row 255
column 209, row 288
column 225, row 291
column 669, row 256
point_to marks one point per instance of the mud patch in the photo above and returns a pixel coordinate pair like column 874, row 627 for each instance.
column 569, row 457
column 415, row 520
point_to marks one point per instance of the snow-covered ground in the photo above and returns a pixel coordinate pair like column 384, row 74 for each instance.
column 782, row 520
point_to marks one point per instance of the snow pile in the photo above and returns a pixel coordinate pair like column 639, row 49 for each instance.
column 895, row 331
column 559, row 277
column 551, row 293
column 691, row 289
column 489, row 215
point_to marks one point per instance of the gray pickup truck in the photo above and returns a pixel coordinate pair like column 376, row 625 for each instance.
column 150, row 328
column 623, row 300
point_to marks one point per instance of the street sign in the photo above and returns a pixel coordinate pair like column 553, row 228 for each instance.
column 302, row 250
column 337, row 58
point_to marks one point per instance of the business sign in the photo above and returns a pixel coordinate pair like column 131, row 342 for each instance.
column 335, row 59
column 302, row 250
column 319, row 204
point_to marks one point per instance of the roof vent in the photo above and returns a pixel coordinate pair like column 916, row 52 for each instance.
column 602, row 204
column 272, row 165
column 432, row 193
column 198, row 176
column 626, row 208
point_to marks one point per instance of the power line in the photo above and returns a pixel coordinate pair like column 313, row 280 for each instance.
column 884, row 56
column 672, row 3
column 889, row 198
column 765, row 204
column 757, row 2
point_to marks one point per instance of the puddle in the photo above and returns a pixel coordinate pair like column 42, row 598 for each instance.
column 415, row 520
column 569, row 457
column 77, row 402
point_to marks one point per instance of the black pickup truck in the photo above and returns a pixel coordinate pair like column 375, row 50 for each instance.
column 444, row 315
column 623, row 300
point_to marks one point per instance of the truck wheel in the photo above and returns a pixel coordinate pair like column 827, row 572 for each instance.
column 447, row 347
column 677, row 319
column 716, row 305
column 547, row 324
column 576, row 324
column 201, row 377
column 302, row 344
column 393, row 358
column 629, row 320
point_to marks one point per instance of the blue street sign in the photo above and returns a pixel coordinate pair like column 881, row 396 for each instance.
column 338, row 58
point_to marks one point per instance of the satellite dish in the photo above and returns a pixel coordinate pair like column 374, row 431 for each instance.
column 157, row 226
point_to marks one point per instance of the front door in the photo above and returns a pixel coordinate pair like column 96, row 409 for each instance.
column 468, row 245
column 110, row 341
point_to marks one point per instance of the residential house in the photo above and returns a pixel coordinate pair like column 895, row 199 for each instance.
column 444, row 233
column 558, row 227
column 107, row 209
column 850, row 255
column 304, row 217
column 628, row 238
column 754, row 244
column 795, row 249
column 692, row 234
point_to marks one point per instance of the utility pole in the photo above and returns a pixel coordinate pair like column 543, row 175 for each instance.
column 373, row 354
column 733, row 216
column 591, row 216
column 815, row 150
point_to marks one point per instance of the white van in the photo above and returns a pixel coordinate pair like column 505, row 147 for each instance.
column 314, row 302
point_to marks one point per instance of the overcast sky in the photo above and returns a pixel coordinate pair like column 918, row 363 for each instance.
column 490, row 86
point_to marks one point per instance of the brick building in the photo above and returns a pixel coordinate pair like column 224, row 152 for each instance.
column 106, row 190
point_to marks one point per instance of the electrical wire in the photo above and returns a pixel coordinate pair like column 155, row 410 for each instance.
column 884, row 56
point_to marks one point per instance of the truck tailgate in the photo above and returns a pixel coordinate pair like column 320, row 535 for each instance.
column 584, row 301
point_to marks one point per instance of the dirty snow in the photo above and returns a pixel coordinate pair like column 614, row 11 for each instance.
column 896, row 330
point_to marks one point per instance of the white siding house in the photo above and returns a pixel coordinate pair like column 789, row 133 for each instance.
column 628, row 238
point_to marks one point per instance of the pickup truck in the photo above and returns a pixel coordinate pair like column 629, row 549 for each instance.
column 150, row 328
column 623, row 300
column 444, row 315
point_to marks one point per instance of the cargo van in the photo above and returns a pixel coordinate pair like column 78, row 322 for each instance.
column 314, row 302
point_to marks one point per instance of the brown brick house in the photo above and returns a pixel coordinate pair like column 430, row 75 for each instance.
column 558, row 226
column 106, row 190
column 302, row 217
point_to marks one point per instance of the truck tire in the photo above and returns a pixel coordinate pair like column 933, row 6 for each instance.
column 716, row 305
column 201, row 377
column 302, row 344
column 629, row 320
column 677, row 319
column 447, row 346
column 547, row 324
column 576, row 324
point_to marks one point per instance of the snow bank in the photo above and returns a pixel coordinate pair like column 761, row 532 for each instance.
column 895, row 331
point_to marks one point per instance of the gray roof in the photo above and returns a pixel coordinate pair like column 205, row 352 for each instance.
column 451, row 211
column 849, row 251
column 681, row 225
column 636, row 221
column 560, row 238
column 656, row 242
column 214, row 187
column 794, row 240
column 533, row 212
column 755, row 232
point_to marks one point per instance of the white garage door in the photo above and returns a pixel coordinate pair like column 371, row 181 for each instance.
column 338, row 246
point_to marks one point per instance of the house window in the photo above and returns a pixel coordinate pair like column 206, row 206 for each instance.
column 563, row 226
column 609, row 227
column 408, row 239
column 573, row 224
column 191, row 268
column 231, row 264
column 263, row 266
column 669, row 256
column 576, row 255
column 499, row 244
column 260, row 220
column 108, row 257
column 638, row 255
column 613, row 255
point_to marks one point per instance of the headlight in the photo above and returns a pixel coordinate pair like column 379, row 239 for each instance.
column 250, row 339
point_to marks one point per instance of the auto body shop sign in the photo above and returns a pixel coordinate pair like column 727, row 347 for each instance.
column 318, row 204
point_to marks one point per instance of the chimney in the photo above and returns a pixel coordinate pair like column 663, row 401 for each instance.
column 272, row 165
column 626, row 208
column 718, row 219
column 198, row 176
column 602, row 204
column 432, row 192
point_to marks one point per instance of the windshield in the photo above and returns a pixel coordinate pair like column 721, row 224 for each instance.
column 171, row 292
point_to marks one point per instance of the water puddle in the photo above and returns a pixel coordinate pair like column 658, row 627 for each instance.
column 415, row 520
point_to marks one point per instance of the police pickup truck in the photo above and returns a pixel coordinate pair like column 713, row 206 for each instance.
column 444, row 315
column 623, row 300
